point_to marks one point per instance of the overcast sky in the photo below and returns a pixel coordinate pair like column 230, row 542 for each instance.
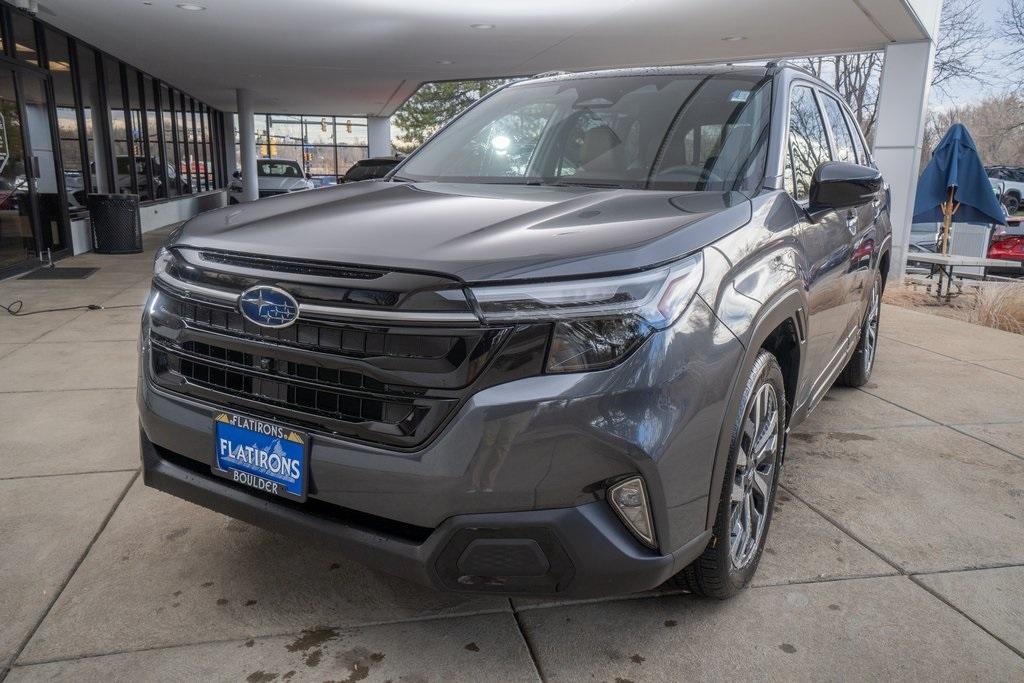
column 970, row 92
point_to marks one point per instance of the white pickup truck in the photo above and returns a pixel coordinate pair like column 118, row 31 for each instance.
column 1010, row 180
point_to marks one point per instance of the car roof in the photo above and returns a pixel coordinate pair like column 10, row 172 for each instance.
column 757, row 71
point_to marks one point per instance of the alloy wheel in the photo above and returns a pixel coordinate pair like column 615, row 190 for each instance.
column 871, row 329
column 754, row 476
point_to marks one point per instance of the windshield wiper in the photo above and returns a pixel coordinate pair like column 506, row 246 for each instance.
column 584, row 183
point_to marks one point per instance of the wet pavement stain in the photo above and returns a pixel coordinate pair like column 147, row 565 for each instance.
column 250, row 642
column 670, row 623
column 260, row 677
column 313, row 658
column 787, row 648
column 846, row 437
column 358, row 661
column 472, row 647
column 801, row 436
column 222, row 601
column 313, row 637
column 287, row 675
column 250, row 603
column 207, row 584
column 834, row 608
column 637, row 659
column 176, row 534
column 334, row 566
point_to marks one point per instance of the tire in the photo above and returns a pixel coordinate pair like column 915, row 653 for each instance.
column 1012, row 203
column 732, row 556
column 858, row 369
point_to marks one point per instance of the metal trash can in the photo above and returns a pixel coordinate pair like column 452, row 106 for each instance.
column 116, row 223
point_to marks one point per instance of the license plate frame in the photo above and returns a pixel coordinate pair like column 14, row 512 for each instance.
column 261, row 454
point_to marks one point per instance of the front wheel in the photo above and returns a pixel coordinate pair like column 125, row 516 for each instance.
column 858, row 369
column 748, row 491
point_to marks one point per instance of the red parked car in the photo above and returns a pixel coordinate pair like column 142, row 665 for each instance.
column 1008, row 244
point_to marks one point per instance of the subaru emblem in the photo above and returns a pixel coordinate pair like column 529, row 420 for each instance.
column 268, row 306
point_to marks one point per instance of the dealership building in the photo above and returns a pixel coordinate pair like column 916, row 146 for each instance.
column 165, row 100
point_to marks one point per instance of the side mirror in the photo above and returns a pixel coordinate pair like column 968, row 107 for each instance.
column 237, row 175
column 842, row 185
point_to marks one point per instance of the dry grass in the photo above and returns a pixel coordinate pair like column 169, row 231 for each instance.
column 992, row 304
column 1000, row 306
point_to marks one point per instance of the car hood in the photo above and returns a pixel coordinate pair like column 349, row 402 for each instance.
column 289, row 184
column 474, row 232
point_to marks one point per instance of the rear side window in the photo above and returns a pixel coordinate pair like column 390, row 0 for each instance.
column 840, row 131
column 807, row 143
column 858, row 139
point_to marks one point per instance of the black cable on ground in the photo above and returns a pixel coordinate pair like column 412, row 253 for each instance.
column 14, row 308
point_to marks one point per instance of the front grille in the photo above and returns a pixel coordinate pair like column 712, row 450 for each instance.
column 393, row 386
column 320, row 400
column 348, row 341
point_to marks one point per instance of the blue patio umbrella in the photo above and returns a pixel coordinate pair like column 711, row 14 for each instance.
column 955, row 182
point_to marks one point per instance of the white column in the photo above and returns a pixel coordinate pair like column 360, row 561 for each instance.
column 247, row 145
column 378, row 136
column 902, row 107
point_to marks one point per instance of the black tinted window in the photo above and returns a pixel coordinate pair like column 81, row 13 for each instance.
column 808, row 144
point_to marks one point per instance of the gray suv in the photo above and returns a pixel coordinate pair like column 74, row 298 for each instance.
column 558, row 350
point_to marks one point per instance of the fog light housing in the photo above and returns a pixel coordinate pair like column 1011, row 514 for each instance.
column 629, row 500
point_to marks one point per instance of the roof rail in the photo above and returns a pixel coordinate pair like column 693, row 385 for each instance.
column 548, row 74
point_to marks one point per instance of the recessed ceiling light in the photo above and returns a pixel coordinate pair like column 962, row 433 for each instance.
column 734, row 39
column 445, row 61
column 482, row 27
column 188, row 7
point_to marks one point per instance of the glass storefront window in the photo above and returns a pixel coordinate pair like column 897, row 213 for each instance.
column 118, row 126
column 167, row 109
column 76, row 184
column 319, row 130
column 24, row 35
column 139, row 138
column 184, row 136
column 351, row 131
column 153, row 124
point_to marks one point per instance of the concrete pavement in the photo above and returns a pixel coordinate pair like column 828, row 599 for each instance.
column 895, row 551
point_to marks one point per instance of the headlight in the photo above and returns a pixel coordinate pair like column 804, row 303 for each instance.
column 162, row 260
column 598, row 322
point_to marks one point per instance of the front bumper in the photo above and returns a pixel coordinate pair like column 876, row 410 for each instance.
column 514, row 482
column 585, row 550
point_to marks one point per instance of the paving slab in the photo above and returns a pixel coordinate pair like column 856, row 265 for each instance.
column 115, row 324
column 1007, row 436
column 950, row 393
column 992, row 597
column 136, row 295
column 69, row 366
column 47, row 524
column 166, row 572
column 845, row 409
column 65, row 432
column 803, row 546
column 949, row 337
column 927, row 498
column 7, row 348
column 860, row 629
column 476, row 648
column 1007, row 367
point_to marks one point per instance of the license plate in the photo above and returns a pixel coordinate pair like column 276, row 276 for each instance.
column 261, row 455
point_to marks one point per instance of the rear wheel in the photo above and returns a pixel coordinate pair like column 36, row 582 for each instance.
column 858, row 369
column 1012, row 203
column 748, row 491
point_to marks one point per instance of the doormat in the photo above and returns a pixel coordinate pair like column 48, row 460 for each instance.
column 59, row 274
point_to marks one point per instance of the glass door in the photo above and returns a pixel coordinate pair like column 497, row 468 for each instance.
column 18, row 244
column 46, row 191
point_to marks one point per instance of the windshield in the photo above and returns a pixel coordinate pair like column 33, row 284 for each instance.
column 654, row 131
column 278, row 169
